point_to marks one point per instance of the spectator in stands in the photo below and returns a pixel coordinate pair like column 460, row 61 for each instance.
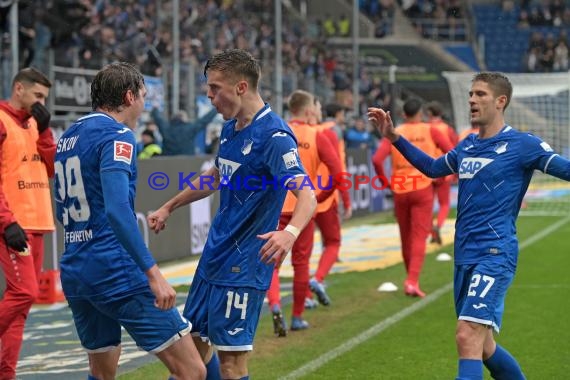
column 358, row 135
column 561, row 56
column 343, row 26
column 149, row 147
column 178, row 134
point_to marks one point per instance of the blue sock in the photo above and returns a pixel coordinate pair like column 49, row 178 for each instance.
column 245, row 378
column 213, row 368
column 470, row 369
column 503, row 365
column 90, row 377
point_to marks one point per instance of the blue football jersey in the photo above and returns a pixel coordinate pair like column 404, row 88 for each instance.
column 494, row 175
column 253, row 164
column 94, row 263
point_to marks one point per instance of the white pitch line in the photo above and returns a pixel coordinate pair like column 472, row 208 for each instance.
column 392, row 320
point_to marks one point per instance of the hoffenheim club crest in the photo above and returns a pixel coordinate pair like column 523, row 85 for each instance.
column 246, row 148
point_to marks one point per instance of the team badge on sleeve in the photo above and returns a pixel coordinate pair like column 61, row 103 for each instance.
column 123, row 152
column 546, row 147
column 290, row 159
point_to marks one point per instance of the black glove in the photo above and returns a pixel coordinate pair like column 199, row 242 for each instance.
column 16, row 237
column 42, row 116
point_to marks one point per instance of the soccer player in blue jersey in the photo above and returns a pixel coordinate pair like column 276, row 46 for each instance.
column 234, row 272
column 494, row 170
column 108, row 275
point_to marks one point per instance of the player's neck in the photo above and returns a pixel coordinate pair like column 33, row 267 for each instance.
column 250, row 108
column 490, row 130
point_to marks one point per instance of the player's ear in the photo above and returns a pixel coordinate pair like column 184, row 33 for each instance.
column 501, row 101
column 241, row 87
column 129, row 98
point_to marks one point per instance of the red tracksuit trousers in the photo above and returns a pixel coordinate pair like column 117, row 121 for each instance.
column 21, row 272
column 300, row 256
column 413, row 211
column 329, row 225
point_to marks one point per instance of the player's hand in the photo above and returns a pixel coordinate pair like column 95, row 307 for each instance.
column 157, row 219
column 383, row 123
column 16, row 237
column 42, row 116
column 277, row 246
column 162, row 290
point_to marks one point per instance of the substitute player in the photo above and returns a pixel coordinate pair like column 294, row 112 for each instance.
column 441, row 186
column 413, row 196
column 494, row 169
column 327, row 218
column 315, row 149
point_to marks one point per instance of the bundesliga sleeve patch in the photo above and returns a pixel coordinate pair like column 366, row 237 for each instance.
column 546, row 147
column 123, row 152
column 290, row 159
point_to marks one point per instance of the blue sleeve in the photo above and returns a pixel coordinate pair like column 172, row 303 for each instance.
column 558, row 167
column 118, row 153
column 537, row 154
column 115, row 185
column 432, row 168
column 282, row 157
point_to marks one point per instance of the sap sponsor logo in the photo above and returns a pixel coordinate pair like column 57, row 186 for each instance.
column 246, row 148
column 471, row 166
column 290, row 159
column 227, row 169
column 279, row 134
column 544, row 145
column 123, row 152
column 235, row 331
column 501, row 147
column 479, row 306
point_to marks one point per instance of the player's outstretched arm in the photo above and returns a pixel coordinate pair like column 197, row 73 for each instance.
column 279, row 243
column 157, row 219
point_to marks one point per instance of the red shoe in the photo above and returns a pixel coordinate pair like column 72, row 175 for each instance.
column 413, row 290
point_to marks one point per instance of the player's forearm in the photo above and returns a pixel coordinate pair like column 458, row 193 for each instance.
column 424, row 163
column 115, row 187
column 305, row 207
column 202, row 187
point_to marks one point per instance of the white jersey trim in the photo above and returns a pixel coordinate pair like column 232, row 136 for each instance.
column 94, row 115
column 448, row 165
column 289, row 179
column 485, row 322
column 263, row 114
column 172, row 340
column 245, row 347
column 548, row 162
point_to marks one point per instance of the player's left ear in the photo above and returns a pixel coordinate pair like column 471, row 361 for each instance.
column 242, row 86
column 129, row 98
column 501, row 102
